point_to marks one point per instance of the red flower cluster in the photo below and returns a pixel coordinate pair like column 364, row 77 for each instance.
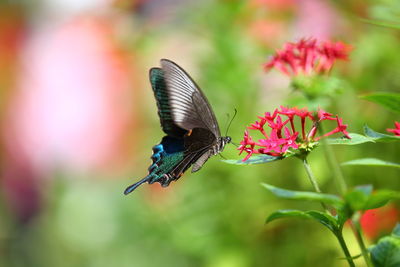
column 283, row 135
column 308, row 56
column 396, row 131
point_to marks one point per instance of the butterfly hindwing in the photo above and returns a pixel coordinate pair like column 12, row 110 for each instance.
column 166, row 156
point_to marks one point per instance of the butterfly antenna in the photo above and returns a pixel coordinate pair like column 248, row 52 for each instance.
column 235, row 144
column 222, row 156
column 227, row 120
column 229, row 125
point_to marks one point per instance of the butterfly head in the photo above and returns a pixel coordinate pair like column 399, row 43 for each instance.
column 223, row 141
column 228, row 139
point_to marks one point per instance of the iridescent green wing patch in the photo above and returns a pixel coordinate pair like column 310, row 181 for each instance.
column 164, row 110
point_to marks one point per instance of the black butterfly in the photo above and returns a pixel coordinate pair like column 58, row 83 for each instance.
column 186, row 117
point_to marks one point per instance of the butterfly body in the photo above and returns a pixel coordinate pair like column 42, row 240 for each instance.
column 192, row 132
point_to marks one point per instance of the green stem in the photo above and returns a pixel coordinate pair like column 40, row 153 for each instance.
column 334, row 166
column 341, row 182
column 356, row 227
column 346, row 251
column 337, row 233
column 342, row 186
column 313, row 181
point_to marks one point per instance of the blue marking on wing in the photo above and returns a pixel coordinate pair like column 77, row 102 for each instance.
column 166, row 156
column 157, row 152
column 172, row 144
column 157, row 148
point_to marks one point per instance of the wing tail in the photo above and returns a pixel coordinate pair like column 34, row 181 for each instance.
column 132, row 187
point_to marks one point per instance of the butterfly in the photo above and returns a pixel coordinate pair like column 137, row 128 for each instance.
column 187, row 119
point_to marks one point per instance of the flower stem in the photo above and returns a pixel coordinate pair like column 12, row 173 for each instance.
column 333, row 164
column 311, row 175
column 356, row 227
column 341, row 182
column 313, row 181
column 338, row 233
column 346, row 251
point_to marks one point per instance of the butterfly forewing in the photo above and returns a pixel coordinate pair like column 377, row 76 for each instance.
column 159, row 87
column 190, row 108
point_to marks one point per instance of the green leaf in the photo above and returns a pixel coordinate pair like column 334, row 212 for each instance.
column 382, row 23
column 366, row 189
column 379, row 137
column 396, row 230
column 356, row 139
column 387, row 252
column 371, row 162
column 286, row 214
column 253, row 160
column 388, row 100
column 343, row 214
column 358, row 197
column 363, row 198
column 325, row 219
column 380, row 198
column 353, row 257
column 300, row 195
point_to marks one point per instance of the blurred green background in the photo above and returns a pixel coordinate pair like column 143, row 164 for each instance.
column 79, row 120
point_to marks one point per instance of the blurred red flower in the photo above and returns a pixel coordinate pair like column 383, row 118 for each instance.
column 275, row 4
column 308, row 56
column 317, row 18
column 283, row 137
column 13, row 32
column 378, row 222
column 396, row 130
column 262, row 30
column 70, row 109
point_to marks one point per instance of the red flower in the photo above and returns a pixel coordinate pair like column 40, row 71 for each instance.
column 378, row 222
column 308, row 56
column 248, row 145
column 396, row 131
column 340, row 128
column 283, row 137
